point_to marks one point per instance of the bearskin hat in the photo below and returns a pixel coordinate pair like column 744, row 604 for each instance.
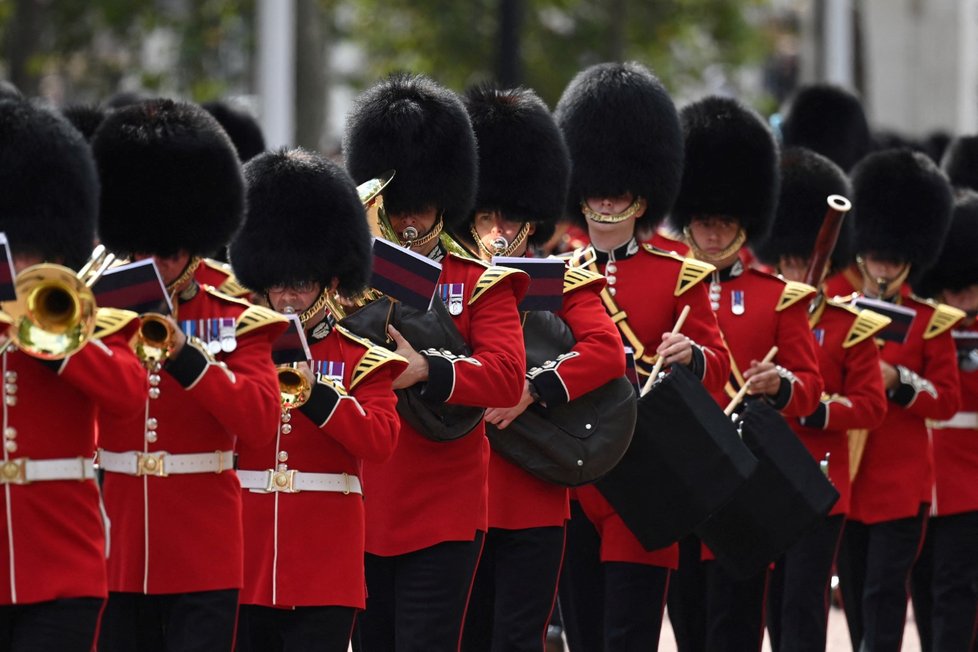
column 241, row 127
column 807, row 179
column 410, row 124
column 9, row 92
column 830, row 121
column 50, row 186
column 304, row 222
column 901, row 207
column 623, row 133
column 86, row 118
column 731, row 166
column 171, row 180
column 961, row 162
column 523, row 164
column 957, row 265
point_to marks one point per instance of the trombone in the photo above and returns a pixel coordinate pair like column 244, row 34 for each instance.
column 54, row 314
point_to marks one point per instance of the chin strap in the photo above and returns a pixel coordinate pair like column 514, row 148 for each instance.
column 730, row 250
column 507, row 249
column 185, row 276
column 883, row 285
column 601, row 218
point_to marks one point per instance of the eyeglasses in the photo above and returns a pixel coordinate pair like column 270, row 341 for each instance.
column 303, row 287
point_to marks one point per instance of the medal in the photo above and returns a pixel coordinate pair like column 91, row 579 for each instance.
column 737, row 302
column 229, row 341
column 213, row 336
column 329, row 369
column 819, row 334
column 452, row 294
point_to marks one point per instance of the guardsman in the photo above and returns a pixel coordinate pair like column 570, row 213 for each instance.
column 305, row 236
column 945, row 577
column 172, row 190
column 625, row 142
column 52, row 582
column 727, row 201
column 523, row 176
column 902, row 207
column 853, row 398
column 427, row 505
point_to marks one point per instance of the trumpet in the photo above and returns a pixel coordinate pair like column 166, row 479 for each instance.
column 293, row 386
column 154, row 339
column 54, row 314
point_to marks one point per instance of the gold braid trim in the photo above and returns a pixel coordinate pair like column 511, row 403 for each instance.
column 601, row 218
column 185, row 276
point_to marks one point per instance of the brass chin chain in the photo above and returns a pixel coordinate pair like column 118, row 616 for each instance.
column 883, row 286
column 314, row 309
column 595, row 216
column 426, row 238
column 730, row 250
column 508, row 250
column 187, row 274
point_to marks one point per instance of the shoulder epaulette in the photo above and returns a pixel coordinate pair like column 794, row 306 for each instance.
column 841, row 304
column 111, row 320
column 692, row 271
column 214, row 292
column 489, row 278
column 578, row 277
column 469, row 259
column 943, row 319
column 254, row 318
column 866, row 325
column 230, row 285
column 582, row 257
column 793, row 293
column 374, row 358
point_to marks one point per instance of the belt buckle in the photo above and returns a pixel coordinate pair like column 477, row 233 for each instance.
column 346, row 484
column 281, row 482
column 151, row 464
column 14, row 471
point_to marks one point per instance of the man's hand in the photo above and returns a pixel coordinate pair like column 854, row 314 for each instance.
column 675, row 347
column 762, row 378
column 891, row 377
column 417, row 369
column 179, row 337
column 502, row 417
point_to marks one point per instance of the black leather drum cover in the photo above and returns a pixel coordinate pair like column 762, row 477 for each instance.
column 784, row 500
column 431, row 329
column 684, row 463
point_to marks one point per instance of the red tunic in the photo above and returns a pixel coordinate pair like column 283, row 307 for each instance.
column 849, row 363
column 956, row 452
column 429, row 492
column 895, row 475
column 844, row 283
column 648, row 289
column 517, row 499
column 52, row 534
column 306, row 548
column 219, row 275
column 190, row 525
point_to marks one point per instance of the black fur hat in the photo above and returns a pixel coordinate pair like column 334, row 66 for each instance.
column 523, row 164
column 961, row 162
column 830, row 121
column 86, row 118
column 731, row 166
column 410, row 124
column 901, row 207
column 623, row 133
column 171, row 180
column 241, row 127
column 807, row 179
column 304, row 222
column 957, row 265
column 49, row 201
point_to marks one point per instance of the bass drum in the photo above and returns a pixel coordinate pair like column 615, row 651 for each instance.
column 685, row 462
column 786, row 498
column 574, row 443
column 424, row 329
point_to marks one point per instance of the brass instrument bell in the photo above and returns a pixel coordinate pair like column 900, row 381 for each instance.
column 293, row 386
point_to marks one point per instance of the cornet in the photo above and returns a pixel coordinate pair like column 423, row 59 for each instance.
column 154, row 339
column 293, row 386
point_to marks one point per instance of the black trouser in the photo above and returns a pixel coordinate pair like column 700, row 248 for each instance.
column 798, row 591
column 302, row 629
column 515, row 590
column 635, row 597
column 734, row 610
column 945, row 601
column 416, row 602
column 874, row 571
column 582, row 584
column 66, row 625
column 203, row 621
column 687, row 598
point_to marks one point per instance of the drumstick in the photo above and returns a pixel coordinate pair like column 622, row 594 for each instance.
column 743, row 390
column 658, row 364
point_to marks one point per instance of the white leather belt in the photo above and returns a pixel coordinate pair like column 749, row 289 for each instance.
column 162, row 464
column 22, row 470
column 291, row 482
column 964, row 420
